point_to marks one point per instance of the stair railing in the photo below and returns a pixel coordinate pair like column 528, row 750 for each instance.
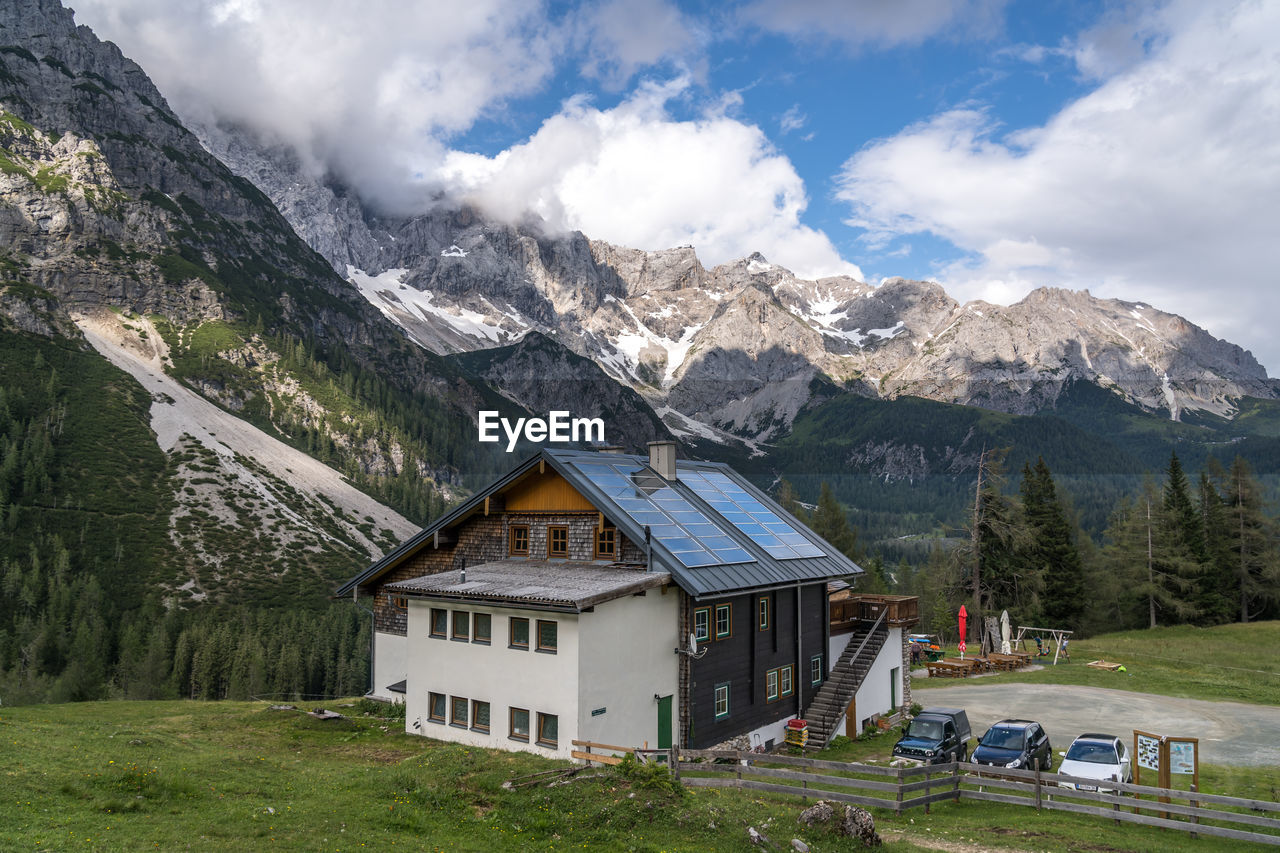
column 827, row 721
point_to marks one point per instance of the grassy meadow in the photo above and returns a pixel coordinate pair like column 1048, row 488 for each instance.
column 167, row 775
column 1238, row 663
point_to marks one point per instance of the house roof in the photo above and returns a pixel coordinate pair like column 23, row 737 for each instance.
column 739, row 547
column 555, row 584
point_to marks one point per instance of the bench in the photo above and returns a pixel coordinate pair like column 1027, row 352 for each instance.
column 946, row 669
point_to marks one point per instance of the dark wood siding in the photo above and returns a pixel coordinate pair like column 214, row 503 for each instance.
column 743, row 659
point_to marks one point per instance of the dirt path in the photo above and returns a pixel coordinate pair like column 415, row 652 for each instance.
column 1230, row 733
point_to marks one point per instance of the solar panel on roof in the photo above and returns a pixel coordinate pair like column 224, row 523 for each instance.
column 683, row 529
column 774, row 534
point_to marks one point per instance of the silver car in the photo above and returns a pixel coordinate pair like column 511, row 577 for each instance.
column 1096, row 756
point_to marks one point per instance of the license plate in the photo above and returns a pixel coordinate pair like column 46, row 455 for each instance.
column 1087, row 787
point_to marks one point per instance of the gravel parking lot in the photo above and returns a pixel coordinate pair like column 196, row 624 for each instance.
column 1231, row 733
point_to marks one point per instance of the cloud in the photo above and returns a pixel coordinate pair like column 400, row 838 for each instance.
column 792, row 119
column 873, row 23
column 371, row 90
column 1159, row 185
column 633, row 175
column 620, row 38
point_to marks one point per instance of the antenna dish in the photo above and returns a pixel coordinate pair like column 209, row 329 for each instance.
column 693, row 643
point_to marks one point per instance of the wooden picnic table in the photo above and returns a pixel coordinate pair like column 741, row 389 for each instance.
column 946, row 669
column 969, row 665
column 1006, row 662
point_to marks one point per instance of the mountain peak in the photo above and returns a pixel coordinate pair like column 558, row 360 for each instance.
column 687, row 338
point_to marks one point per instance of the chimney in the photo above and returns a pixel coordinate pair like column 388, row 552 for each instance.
column 615, row 449
column 662, row 458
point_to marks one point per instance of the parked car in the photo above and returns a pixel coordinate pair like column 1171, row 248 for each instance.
column 935, row 736
column 1017, row 744
column 1096, row 756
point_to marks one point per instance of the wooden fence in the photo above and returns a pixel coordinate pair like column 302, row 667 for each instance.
column 900, row 788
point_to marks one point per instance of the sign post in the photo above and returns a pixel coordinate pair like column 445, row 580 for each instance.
column 1166, row 755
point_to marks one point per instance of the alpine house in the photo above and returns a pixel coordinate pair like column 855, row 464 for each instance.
column 605, row 597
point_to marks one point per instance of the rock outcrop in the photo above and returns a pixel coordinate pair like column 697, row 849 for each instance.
column 737, row 348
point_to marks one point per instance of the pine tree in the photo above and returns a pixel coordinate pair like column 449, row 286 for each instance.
column 1147, row 552
column 1052, row 550
column 832, row 524
column 1251, row 543
column 872, row 580
column 997, row 579
column 1216, row 582
column 1181, row 518
column 787, row 500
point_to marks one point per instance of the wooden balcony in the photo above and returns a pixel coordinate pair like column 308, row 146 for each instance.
column 848, row 610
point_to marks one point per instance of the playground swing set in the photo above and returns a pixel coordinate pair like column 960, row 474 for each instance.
column 1059, row 640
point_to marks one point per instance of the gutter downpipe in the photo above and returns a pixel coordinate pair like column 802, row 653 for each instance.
column 648, row 550
column 796, row 677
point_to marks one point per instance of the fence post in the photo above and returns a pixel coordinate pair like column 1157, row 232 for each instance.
column 673, row 762
column 804, row 788
column 1194, row 818
column 1037, row 786
column 897, row 808
column 737, row 767
column 926, row 788
column 955, row 771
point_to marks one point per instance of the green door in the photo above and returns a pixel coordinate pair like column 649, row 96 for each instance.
column 664, row 722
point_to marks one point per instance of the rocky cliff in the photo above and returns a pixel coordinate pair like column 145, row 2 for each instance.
column 738, row 348
column 119, row 227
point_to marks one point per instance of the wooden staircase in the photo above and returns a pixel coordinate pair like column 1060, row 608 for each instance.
column 832, row 699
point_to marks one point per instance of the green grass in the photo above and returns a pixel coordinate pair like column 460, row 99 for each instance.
column 212, row 337
column 9, row 167
column 49, row 183
column 1225, row 663
column 16, row 124
column 235, row 775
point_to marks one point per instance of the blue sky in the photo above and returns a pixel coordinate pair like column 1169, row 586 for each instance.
column 1130, row 148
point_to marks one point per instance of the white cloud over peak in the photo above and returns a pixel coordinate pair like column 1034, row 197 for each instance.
column 619, row 38
column 1160, row 185
column 635, row 176
column 859, row 23
column 372, row 90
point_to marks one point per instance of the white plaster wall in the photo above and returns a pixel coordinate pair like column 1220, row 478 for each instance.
column 874, row 694
column 502, row 676
column 626, row 657
column 389, row 664
column 836, row 647
column 775, row 731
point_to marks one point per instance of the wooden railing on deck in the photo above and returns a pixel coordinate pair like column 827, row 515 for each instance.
column 901, row 611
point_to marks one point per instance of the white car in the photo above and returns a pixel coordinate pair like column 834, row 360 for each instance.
column 1096, row 756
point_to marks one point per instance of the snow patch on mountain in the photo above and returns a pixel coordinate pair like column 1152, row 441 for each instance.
column 884, row 334
column 387, row 292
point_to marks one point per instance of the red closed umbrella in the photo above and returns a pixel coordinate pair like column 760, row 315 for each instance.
column 964, row 618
